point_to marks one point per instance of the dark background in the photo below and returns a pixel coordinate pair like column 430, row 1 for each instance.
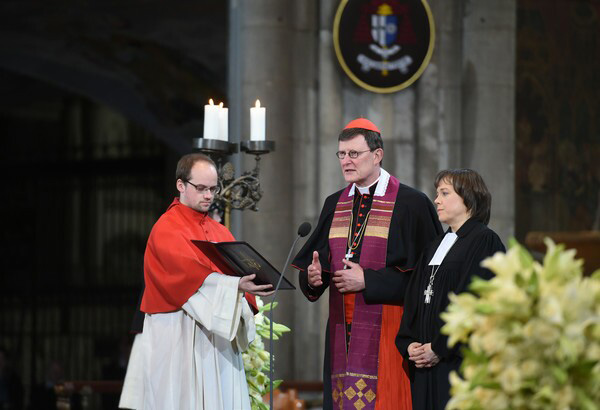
column 557, row 153
column 97, row 102
column 99, row 99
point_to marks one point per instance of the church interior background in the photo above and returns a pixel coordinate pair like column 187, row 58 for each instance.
column 99, row 100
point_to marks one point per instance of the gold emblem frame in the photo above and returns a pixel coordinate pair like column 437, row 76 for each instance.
column 362, row 84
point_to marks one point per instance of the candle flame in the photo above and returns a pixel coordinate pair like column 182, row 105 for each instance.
column 257, row 104
column 211, row 102
column 221, row 104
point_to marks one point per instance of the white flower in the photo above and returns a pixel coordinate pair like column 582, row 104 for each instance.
column 256, row 358
column 531, row 334
column 550, row 309
column 493, row 341
column 510, row 379
column 530, row 368
column 542, row 332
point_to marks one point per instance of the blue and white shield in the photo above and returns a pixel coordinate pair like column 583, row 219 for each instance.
column 384, row 29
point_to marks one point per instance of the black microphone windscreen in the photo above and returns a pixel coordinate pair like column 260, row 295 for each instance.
column 304, row 229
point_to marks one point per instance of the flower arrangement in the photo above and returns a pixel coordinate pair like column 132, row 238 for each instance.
column 531, row 334
column 256, row 358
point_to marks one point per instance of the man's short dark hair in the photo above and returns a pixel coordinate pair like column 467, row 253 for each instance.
column 469, row 185
column 185, row 164
column 373, row 138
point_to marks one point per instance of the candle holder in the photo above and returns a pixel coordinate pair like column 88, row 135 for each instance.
column 218, row 147
column 243, row 192
column 257, row 147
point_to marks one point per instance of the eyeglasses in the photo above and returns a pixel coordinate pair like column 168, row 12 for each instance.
column 352, row 154
column 202, row 189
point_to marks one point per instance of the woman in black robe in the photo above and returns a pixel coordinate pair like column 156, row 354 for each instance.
column 463, row 203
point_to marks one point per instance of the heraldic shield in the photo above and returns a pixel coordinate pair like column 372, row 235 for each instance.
column 384, row 26
column 384, row 45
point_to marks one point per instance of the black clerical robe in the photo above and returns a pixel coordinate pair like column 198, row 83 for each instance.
column 421, row 322
column 414, row 223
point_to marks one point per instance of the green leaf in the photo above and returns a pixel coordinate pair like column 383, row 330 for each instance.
column 512, row 242
column 559, row 374
column 258, row 382
column 489, row 384
column 545, row 393
column 481, row 378
column 253, row 385
column 584, row 368
column 525, row 257
column 473, row 357
column 276, row 384
column 268, row 307
column 520, row 280
column 485, row 308
column 265, row 334
column 263, row 354
column 278, row 327
column 534, row 284
column 481, row 286
column 259, row 405
column 584, row 400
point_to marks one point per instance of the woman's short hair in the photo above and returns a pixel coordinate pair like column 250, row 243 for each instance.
column 469, row 185
column 186, row 163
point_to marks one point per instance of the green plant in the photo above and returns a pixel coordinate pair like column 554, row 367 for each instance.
column 531, row 334
column 256, row 358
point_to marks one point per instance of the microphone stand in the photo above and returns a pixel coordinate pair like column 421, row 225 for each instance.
column 271, row 318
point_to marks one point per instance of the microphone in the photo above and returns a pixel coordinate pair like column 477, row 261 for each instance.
column 303, row 230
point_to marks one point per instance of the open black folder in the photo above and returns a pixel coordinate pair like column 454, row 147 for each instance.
column 240, row 259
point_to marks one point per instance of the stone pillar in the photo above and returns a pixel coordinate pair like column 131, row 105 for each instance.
column 267, row 37
column 488, row 106
column 279, row 64
column 307, row 319
column 466, row 100
column 448, row 57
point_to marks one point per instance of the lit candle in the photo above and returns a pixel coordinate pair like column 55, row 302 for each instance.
column 223, row 123
column 211, row 120
column 257, row 122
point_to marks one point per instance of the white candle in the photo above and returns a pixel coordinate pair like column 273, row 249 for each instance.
column 223, row 123
column 257, row 122
column 211, row 120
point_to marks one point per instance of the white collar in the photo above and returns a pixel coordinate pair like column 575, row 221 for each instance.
column 443, row 248
column 382, row 183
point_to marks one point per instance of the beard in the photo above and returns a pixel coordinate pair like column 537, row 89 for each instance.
column 202, row 207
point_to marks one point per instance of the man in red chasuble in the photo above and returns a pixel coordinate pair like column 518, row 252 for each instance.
column 198, row 320
column 367, row 241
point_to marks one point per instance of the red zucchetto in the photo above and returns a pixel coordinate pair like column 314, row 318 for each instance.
column 362, row 123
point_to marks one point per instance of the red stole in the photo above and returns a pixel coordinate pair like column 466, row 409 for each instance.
column 371, row 374
column 174, row 268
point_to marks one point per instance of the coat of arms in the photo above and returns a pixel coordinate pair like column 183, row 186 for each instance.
column 384, row 45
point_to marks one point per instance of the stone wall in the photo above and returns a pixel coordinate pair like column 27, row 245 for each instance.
column 459, row 114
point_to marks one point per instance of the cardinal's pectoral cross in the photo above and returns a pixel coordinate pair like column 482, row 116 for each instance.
column 428, row 294
column 348, row 256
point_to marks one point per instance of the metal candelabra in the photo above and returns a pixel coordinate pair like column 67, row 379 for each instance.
column 242, row 192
